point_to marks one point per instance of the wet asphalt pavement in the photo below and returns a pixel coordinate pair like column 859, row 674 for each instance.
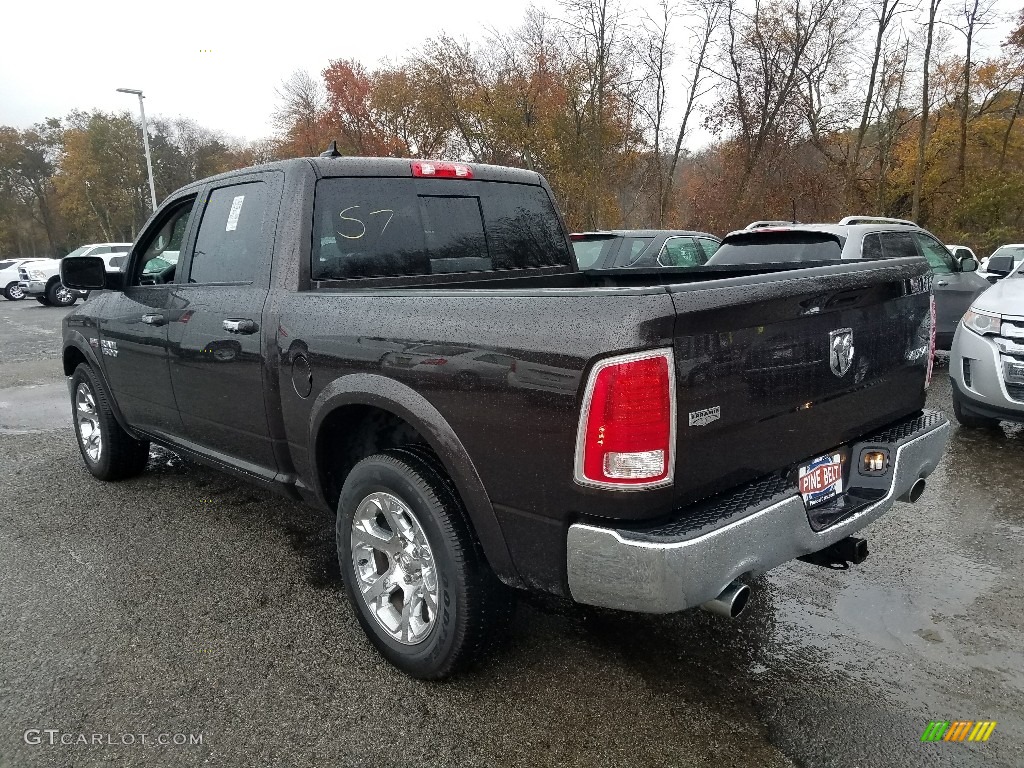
column 185, row 602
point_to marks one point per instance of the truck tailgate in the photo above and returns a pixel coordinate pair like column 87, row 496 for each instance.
column 778, row 370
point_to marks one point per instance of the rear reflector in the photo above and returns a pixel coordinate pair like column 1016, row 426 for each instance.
column 441, row 170
column 626, row 436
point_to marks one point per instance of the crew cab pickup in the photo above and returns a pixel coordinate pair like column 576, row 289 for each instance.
column 410, row 345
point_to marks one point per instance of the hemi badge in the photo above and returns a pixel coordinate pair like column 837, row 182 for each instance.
column 705, row 417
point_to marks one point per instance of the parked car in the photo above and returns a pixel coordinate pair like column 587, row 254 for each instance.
column 40, row 279
column 617, row 483
column 986, row 365
column 956, row 283
column 961, row 252
column 642, row 248
column 9, row 279
column 1004, row 260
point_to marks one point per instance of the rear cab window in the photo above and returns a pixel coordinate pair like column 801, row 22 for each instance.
column 398, row 227
column 763, row 247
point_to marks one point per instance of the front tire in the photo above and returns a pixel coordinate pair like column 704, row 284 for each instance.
column 109, row 452
column 13, row 292
column 968, row 418
column 43, row 300
column 413, row 571
column 59, row 296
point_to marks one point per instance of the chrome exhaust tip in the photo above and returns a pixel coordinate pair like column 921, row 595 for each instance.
column 731, row 603
column 915, row 491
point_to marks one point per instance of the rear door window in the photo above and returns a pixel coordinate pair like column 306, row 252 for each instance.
column 367, row 227
column 680, row 252
column 631, row 250
column 778, row 247
column 871, row 248
column 709, row 246
column 897, row 245
column 230, row 245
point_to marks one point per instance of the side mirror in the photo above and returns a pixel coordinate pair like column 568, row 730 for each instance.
column 83, row 273
column 967, row 264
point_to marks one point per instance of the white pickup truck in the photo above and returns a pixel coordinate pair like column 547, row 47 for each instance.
column 41, row 278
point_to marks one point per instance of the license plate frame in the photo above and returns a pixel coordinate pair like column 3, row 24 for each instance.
column 822, row 479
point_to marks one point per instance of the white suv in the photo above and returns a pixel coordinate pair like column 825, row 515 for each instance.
column 986, row 364
column 41, row 278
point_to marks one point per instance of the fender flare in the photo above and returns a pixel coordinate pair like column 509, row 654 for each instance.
column 76, row 340
column 406, row 403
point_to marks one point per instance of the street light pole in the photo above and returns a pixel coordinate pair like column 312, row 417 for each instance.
column 145, row 142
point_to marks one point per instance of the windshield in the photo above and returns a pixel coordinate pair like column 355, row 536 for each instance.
column 776, row 247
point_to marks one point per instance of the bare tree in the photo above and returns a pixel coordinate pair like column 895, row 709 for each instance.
column 886, row 11
column 975, row 15
column 302, row 104
column 768, row 54
column 922, row 134
column 707, row 16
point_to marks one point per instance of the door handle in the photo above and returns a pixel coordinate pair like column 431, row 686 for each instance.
column 240, row 326
column 153, row 319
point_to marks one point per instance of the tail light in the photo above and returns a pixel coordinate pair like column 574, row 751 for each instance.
column 931, row 343
column 439, row 170
column 627, row 426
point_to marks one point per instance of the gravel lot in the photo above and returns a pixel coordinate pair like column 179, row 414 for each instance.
column 184, row 602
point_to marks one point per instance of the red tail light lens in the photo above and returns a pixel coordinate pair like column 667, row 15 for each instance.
column 627, row 424
column 440, row 170
column 931, row 343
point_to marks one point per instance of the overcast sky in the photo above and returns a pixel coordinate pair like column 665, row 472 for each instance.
column 219, row 62
column 57, row 56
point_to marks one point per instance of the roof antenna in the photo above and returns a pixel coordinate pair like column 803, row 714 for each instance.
column 332, row 150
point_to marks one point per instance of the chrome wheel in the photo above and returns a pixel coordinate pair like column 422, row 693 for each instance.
column 394, row 567
column 15, row 292
column 64, row 295
column 89, row 431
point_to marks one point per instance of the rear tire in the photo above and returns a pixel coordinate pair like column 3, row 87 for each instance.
column 109, row 452
column 968, row 418
column 414, row 545
column 13, row 292
column 59, row 296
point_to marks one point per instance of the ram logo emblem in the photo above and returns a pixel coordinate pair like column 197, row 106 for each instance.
column 840, row 355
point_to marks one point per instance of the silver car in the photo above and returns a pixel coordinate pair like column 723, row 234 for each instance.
column 956, row 282
column 986, row 363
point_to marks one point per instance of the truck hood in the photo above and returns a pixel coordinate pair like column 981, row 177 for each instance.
column 40, row 264
column 1004, row 298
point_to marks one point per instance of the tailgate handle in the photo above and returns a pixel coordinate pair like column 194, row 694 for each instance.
column 153, row 319
column 240, row 326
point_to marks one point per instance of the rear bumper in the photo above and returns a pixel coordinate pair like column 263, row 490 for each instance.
column 753, row 529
